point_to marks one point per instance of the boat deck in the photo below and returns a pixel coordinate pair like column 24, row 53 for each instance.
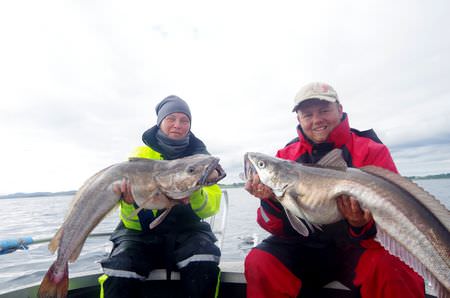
column 233, row 284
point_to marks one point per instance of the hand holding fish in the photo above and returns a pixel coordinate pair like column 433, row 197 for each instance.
column 124, row 191
column 214, row 175
column 257, row 189
column 352, row 211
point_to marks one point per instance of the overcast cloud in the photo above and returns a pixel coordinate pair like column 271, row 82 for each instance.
column 80, row 79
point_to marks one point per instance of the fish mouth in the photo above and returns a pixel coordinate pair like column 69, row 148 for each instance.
column 207, row 179
column 249, row 168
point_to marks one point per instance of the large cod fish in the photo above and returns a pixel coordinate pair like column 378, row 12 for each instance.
column 411, row 223
column 155, row 184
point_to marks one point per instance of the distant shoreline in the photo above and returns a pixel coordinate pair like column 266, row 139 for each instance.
column 73, row 192
column 38, row 194
column 223, row 186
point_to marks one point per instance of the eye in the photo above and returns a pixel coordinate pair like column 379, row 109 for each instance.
column 261, row 164
column 184, row 121
column 190, row 170
column 306, row 116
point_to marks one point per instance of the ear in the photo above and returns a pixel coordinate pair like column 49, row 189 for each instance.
column 340, row 108
column 298, row 115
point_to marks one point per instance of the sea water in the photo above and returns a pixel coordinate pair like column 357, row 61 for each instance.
column 40, row 217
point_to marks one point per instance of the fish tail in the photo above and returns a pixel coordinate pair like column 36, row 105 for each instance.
column 55, row 284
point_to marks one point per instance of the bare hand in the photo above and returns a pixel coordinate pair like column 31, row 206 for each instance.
column 259, row 190
column 352, row 211
column 214, row 175
column 185, row 200
column 124, row 191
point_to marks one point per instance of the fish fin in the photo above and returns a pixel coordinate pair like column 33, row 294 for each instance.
column 398, row 250
column 55, row 284
column 297, row 224
column 317, row 226
column 311, row 226
column 333, row 160
column 160, row 218
column 430, row 202
column 54, row 243
column 146, row 204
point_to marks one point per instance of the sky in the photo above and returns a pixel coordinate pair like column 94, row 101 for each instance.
column 79, row 80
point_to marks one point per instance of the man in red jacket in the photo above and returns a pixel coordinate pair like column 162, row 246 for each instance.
column 287, row 264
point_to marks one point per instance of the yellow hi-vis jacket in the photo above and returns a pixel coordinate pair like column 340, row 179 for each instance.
column 205, row 202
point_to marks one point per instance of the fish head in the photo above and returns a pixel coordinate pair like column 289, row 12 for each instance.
column 272, row 171
column 185, row 175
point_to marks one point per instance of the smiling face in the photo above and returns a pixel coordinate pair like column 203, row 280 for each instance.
column 318, row 118
column 176, row 126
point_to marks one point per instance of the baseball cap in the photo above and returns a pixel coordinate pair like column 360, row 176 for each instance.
column 317, row 90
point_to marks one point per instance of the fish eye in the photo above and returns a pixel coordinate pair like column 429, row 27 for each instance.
column 261, row 164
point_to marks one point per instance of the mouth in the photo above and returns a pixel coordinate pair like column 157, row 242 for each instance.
column 213, row 174
column 320, row 128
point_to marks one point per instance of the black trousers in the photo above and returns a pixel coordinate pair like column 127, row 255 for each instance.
column 194, row 250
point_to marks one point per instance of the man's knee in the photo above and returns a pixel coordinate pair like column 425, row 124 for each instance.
column 382, row 273
column 267, row 277
column 255, row 261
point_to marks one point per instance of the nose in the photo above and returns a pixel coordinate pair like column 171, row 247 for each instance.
column 316, row 118
column 177, row 123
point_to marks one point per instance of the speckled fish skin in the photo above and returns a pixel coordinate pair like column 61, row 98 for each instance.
column 411, row 223
column 151, row 181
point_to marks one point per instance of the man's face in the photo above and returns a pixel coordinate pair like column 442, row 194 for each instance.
column 176, row 126
column 318, row 118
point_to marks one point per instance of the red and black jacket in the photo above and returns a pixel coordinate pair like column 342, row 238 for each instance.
column 359, row 149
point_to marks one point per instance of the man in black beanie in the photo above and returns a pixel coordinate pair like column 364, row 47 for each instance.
column 182, row 241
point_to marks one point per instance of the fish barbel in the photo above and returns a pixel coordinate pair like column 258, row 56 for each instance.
column 411, row 223
column 155, row 184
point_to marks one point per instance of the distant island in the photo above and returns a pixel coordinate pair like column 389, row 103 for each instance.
column 38, row 194
column 439, row 176
column 224, row 186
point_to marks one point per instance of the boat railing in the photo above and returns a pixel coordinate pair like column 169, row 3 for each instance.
column 219, row 229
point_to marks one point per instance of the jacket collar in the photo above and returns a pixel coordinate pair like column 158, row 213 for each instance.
column 196, row 146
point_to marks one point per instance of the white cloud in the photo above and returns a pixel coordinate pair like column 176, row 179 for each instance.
column 80, row 79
